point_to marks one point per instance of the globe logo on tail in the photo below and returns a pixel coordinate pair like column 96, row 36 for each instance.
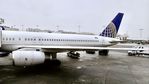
column 110, row 31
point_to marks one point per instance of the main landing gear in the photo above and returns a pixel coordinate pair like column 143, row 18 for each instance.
column 90, row 52
column 103, row 52
column 53, row 61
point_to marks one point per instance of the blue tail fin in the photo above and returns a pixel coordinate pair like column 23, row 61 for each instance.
column 112, row 29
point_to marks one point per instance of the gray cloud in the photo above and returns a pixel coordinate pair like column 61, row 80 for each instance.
column 92, row 15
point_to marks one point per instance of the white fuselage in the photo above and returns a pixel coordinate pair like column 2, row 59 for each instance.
column 11, row 39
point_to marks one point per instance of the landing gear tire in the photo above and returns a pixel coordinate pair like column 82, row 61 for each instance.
column 54, row 62
column 90, row 52
column 129, row 54
column 103, row 52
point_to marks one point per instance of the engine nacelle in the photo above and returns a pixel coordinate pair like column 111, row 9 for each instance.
column 26, row 58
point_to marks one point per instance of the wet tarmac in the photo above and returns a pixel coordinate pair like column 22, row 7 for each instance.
column 117, row 68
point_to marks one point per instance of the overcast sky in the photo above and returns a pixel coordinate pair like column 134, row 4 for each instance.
column 92, row 15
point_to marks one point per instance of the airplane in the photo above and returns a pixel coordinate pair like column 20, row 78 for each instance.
column 31, row 48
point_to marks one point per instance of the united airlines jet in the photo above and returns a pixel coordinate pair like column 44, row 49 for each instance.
column 30, row 48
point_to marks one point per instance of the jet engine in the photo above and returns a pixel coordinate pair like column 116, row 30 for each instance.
column 27, row 58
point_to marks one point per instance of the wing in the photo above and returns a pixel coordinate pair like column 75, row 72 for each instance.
column 77, row 48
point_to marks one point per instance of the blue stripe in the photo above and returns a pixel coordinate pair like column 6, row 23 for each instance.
column 117, row 20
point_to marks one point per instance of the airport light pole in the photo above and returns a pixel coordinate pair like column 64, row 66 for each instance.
column 57, row 27
column 141, row 32
column 79, row 28
column 22, row 27
column 37, row 26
